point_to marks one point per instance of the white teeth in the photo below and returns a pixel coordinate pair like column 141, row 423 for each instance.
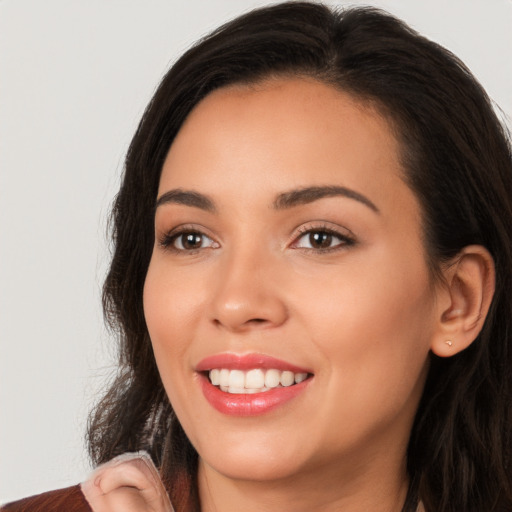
column 236, row 379
column 236, row 390
column 215, row 377
column 287, row 379
column 240, row 391
column 272, row 378
column 251, row 391
column 224, row 377
column 253, row 381
column 299, row 377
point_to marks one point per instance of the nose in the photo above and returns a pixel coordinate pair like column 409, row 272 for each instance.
column 249, row 293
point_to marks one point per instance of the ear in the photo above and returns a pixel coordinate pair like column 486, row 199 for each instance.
column 463, row 300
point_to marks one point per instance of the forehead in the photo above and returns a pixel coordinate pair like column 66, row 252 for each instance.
column 282, row 133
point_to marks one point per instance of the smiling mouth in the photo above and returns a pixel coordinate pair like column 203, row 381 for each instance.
column 253, row 381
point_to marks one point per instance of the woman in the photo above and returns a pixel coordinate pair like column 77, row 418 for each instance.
column 312, row 260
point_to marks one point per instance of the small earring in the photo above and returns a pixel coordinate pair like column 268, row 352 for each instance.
column 449, row 343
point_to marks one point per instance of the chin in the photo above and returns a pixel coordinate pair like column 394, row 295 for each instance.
column 255, row 458
column 248, row 468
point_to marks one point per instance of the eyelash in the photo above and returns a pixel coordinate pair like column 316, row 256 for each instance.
column 168, row 240
column 345, row 240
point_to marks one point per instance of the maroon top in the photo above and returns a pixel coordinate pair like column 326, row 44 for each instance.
column 69, row 499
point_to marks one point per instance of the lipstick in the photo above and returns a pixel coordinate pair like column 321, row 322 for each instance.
column 233, row 361
column 253, row 402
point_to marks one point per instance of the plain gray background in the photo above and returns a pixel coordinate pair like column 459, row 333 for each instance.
column 75, row 76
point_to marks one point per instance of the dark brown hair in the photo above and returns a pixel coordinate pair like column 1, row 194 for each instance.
column 457, row 159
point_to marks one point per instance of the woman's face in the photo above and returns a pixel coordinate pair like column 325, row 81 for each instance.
column 288, row 247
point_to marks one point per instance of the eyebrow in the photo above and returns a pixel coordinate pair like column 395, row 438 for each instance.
column 282, row 202
column 311, row 194
column 187, row 198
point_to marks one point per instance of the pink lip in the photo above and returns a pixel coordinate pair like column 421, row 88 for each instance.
column 246, row 362
column 248, row 404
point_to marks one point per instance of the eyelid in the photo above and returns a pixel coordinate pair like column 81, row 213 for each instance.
column 346, row 237
column 167, row 238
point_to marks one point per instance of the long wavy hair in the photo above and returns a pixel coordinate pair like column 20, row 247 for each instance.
column 456, row 156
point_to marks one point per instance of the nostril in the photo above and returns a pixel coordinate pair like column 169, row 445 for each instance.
column 247, row 324
column 242, row 313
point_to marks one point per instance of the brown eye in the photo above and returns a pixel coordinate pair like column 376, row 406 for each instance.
column 191, row 240
column 320, row 239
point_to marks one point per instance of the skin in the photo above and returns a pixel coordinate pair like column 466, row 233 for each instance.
column 128, row 483
column 361, row 316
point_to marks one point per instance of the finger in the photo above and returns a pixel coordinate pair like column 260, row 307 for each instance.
column 128, row 479
column 124, row 488
column 122, row 499
column 128, row 474
column 124, row 461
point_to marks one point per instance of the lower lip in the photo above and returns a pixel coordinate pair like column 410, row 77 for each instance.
column 251, row 404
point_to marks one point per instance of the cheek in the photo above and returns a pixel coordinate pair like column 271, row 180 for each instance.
column 373, row 329
column 169, row 310
column 169, row 321
column 372, row 300
column 172, row 302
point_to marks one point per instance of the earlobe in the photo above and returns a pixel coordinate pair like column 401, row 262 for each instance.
column 466, row 297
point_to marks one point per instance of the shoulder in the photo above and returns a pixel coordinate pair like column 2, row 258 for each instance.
column 69, row 499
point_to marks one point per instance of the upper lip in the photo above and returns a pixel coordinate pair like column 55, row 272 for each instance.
column 232, row 361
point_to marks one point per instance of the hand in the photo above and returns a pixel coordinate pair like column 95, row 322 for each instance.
column 127, row 483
